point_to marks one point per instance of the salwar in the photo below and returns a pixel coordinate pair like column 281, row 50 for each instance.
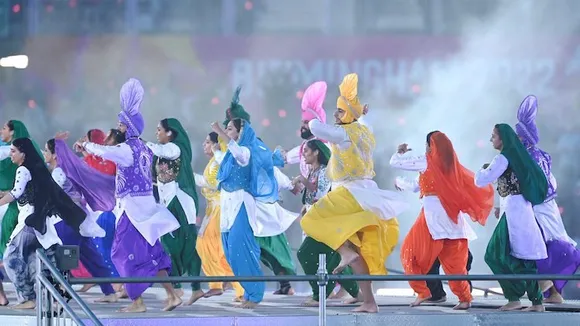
column 89, row 256
column 133, row 256
column 107, row 221
column 419, row 251
column 243, row 254
column 20, row 263
column 210, row 249
column 9, row 222
column 308, row 258
column 180, row 246
column 436, row 287
column 563, row 258
column 276, row 254
column 81, row 271
column 499, row 259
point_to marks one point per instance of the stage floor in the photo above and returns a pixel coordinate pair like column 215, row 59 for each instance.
column 286, row 310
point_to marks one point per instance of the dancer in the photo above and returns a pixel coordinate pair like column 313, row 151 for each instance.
column 272, row 220
column 563, row 257
column 441, row 230
column 141, row 221
column 87, row 188
column 516, row 242
column 316, row 154
column 176, row 190
column 356, row 218
column 438, row 294
column 209, row 243
column 38, row 198
column 246, row 175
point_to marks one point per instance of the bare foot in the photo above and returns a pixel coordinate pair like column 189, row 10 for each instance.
column 338, row 295
column 136, row 306
column 535, row 308
column 123, row 294
column 440, row 300
column 179, row 293
column 111, row 298
column 419, row 301
column 227, row 286
column 310, row 303
column 359, row 298
column 118, row 287
column 545, row 285
column 238, row 299
column 462, row 306
column 173, row 303
column 371, row 308
column 554, row 297
column 213, row 293
column 3, row 299
column 510, row 306
column 27, row 305
column 86, row 288
column 248, row 305
column 345, row 261
column 195, row 295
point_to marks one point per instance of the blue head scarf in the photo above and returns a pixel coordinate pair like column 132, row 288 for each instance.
column 262, row 183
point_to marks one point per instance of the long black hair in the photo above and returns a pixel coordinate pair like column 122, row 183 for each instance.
column 117, row 136
column 49, row 199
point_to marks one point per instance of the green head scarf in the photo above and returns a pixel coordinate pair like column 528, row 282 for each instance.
column 185, row 178
column 7, row 168
column 236, row 110
column 533, row 183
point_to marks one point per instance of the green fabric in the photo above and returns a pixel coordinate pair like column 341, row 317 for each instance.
column 185, row 178
column 180, row 246
column 276, row 254
column 7, row 168
column 499, row 259
column 532, row 180
column 236, row 110
column 308, row 258
column 9, row 222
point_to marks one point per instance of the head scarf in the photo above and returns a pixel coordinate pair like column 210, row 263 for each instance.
column 97, row 136
column 312, row 102
column 533, row 182
column 321, row 147
column 526, row 126
column 49, row 199
column 454, row 183
column 97, row 188
column 348, row 99
column 131, row 97
column 236, row 110
column 263, row 185
column 7, row 168
column 185, row 178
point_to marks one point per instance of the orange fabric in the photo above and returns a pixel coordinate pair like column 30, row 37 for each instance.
column 454, row 184
column 419, row 251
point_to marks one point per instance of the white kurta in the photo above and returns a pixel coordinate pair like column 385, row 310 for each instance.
column 384, row 203
column 526, row 239
column 170, row 190
column 152, row 220
column 438, row 222
column 48, row 239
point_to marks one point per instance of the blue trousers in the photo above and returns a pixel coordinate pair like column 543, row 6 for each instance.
column 89, row 255
column 243, row 254
column 107, row 221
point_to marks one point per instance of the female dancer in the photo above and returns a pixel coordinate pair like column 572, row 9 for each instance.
column 563, row 257
column 246, row 175
column 209, row 243
column 441, row 231
column 176, row 190
column 316, row 155
column 517, row 241
column 356, row 218
column 38, row 197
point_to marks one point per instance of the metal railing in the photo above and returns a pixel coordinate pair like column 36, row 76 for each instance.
column 49, row 312
column 322, row 277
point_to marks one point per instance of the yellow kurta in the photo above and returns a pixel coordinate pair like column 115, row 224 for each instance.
column 338, row 217
column 209, row 241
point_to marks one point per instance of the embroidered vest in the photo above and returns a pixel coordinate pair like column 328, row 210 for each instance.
column 135, row 180
column 355, row 162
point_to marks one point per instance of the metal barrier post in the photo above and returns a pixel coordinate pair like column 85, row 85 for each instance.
column 322, row 282
column 39, row 294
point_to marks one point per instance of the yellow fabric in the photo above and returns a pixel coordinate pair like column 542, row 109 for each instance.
column 348, row 99
column 356, row 161
column 209, row 244
column 338, row 217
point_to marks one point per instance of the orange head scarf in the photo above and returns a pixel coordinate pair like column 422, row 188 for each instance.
column 454, row 183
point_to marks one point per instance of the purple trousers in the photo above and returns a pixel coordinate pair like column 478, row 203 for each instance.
column 563, row 258
column 133, row 256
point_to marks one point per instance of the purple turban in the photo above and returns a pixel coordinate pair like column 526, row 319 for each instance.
column 526, row 126
column 131, row 97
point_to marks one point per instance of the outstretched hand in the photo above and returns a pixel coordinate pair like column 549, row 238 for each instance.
column 62, row 135
column 215, row 126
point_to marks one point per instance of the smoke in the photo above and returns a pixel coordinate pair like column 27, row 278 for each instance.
column 473, row 90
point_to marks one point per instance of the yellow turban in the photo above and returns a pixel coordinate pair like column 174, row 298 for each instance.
column 348, row 100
